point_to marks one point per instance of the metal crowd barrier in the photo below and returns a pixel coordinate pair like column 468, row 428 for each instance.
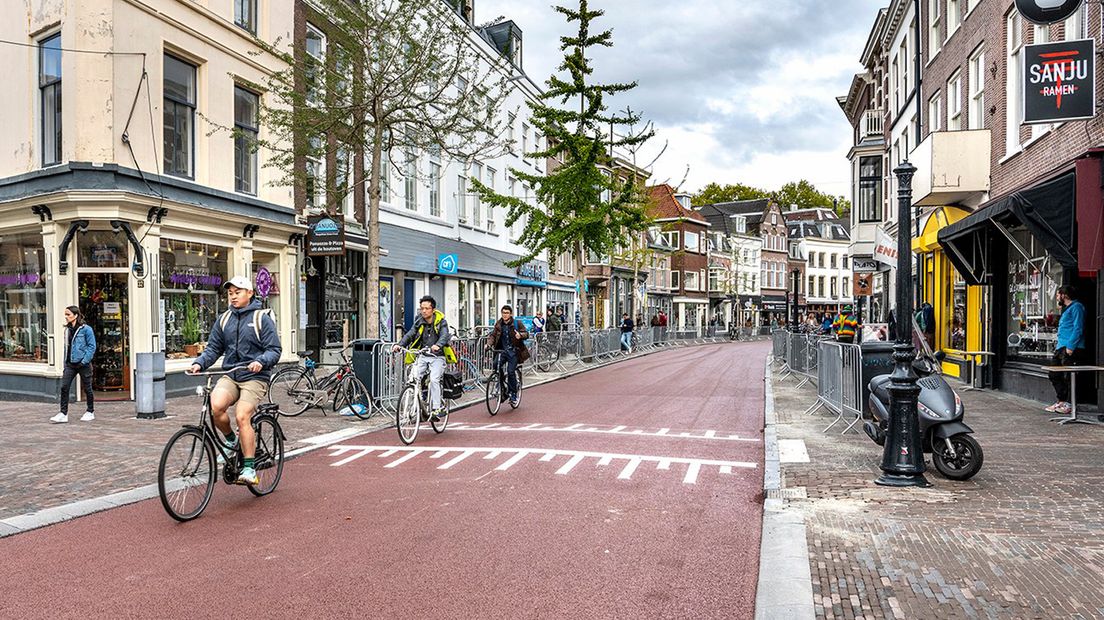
column 839, row 381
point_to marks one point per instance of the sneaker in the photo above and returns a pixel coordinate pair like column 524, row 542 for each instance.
column 248, row 476
column 1054, row 407
column 513, row 401
column 230, row 445
column 1064, row 409
column 438, row 413
column 88, row 416
column 60, row 418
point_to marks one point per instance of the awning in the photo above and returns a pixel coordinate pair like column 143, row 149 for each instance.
column 1047, row 210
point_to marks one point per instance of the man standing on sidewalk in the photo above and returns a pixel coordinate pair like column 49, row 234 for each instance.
column 846, row 326
column 1070, row 347
column 626, row 332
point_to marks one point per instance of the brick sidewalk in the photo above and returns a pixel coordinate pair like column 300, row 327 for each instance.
column 1023, row 539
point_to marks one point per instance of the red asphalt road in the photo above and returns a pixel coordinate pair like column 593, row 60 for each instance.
column 469, row 541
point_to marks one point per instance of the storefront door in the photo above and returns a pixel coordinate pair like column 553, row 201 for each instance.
column 103, row 302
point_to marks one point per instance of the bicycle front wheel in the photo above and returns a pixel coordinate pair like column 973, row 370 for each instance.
column 269, row 456
column 517, row 402
column 494, row 391
column 289, row 390
column 408, row 415
column 186, row 474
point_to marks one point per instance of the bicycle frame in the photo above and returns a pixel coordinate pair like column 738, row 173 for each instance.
column 207, row 426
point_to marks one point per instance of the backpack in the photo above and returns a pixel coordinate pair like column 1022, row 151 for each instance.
column 258, row 316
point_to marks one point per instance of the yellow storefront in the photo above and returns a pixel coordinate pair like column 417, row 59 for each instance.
column 959, row 309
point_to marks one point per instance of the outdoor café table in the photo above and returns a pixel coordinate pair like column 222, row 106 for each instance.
column 1073, row 370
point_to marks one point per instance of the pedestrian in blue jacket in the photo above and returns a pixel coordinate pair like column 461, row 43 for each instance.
column 80, row 346
column 1070, row 347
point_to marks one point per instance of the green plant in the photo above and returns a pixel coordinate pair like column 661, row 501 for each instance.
column 190, row 328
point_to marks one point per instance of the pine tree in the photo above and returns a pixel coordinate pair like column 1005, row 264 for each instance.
column 581, row 206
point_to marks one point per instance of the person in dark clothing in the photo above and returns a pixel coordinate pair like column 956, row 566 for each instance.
column 655, row 320
column 626, row 332
column 80, row 346
column 507, row 340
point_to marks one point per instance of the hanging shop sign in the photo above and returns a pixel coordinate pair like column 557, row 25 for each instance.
column 1045, row 12
column 325, row 236
column 530, row 274
column 264, row 282
column 864, row 265
column 864, row 285
column 885, row 250
column 1059, row 82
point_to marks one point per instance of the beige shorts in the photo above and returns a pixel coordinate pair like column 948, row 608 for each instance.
column 252, row 392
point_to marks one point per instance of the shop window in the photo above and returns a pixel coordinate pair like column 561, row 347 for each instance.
column 477, row 306
column 1033, row 279
column 102, row 249
column 266, row 282
column 191, row 295
column 492, row 303
column 959, row 324
column 23, row 311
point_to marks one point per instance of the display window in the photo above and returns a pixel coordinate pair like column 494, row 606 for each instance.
column 23, row 311
column 191, row 295
column 1033, row 279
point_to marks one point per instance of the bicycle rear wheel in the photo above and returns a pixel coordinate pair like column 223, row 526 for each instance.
column 269, row 456
column 494, row 387
column 440, row 424
column 286, row 390
column 353, row 394
column 186, row 474
column 408, row 415
column 517, row 403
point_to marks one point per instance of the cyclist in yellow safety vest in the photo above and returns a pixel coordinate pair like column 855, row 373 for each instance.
column 845, row 326
column 429, row 330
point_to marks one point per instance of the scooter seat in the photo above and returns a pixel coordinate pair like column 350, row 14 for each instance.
column 879, row 386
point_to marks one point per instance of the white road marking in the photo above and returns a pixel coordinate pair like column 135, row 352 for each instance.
column 512, row 461
column 692, row 473
column 388, row 453
column 693, row 465
column 617, row 430
column 331, row 437
column 363, row 451
column 629, row 469
column 463, row 455
column 402, row 459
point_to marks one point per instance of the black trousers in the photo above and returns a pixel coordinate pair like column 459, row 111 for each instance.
column 1061, row 380
column 71, row 371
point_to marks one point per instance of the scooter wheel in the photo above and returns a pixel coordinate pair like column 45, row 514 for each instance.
column 966, row 461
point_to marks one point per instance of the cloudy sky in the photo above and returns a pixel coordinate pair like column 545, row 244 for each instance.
column 740, row 90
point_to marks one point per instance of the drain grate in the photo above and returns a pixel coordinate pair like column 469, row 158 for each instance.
column 787, row 493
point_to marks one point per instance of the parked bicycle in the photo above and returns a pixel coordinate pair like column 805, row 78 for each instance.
column 497, row 390
column 294, row 390
column 188, row 468
column 414, row 408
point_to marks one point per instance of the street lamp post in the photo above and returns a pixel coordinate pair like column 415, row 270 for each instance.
column 903, row 458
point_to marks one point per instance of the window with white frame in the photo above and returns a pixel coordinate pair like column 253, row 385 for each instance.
column 511, row 121
column 315, row 46
column 1042, row 33
column 954, row 17
column 49, row 87
column 977, row 90
column 410, row 180
column 477, row 204
column 246, row 105
column 903, row 72
column 343, row 178
column 462, row 197
column 490, row 183
column 935, row 112
column 1013, row 102
column 954, row 102
column 245, row 14
column 690, row 279
column 692, row 241
column 1077, row 26
column 385, row 178
column 524, row 142
column 179, row 117
column 741, row 223
column 315, row 178
column 675, row 279
column 935, row 27
column 435, row 189
column 812, row 279
column 835, row 288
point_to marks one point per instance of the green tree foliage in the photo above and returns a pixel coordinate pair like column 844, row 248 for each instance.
column 714, row 193
column 581, row 206
column 805, row 196
column 397, row 79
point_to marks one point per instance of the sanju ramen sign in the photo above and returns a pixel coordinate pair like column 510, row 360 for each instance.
column 1059, row 82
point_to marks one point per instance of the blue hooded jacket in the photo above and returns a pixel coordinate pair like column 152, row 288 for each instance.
column 84, row 345
column 1071, row 327
column 238, row 344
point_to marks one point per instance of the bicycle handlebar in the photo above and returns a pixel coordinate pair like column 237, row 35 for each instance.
column 212, row 373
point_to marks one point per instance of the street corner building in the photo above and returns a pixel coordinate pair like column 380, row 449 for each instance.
column 119, row 194
column 1008, row 182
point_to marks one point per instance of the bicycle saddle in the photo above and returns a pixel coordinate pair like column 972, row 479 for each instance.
column 305, row 353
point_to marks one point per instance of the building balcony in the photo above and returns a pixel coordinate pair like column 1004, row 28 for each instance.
column 872, row 125
column 952, row 167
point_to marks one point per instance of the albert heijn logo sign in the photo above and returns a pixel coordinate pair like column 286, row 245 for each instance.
column 1059, row 82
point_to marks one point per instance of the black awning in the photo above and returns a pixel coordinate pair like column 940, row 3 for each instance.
column 1048, row 210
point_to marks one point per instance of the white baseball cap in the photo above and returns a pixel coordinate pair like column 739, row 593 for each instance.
column 239, row 282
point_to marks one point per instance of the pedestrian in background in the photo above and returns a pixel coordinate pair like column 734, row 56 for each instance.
column 626, row 332
column 553, row 324
column 538, row 323
column 80, row 346
column 1070, row 348
column 826, row 324
column 846, row 326
column 655, row 320
column 662, row 319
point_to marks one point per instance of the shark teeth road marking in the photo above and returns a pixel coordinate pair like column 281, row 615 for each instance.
column 574, row 457
column 616, row 430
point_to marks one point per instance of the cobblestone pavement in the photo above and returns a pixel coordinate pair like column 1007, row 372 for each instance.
column 1023, row 539
column 43, row 465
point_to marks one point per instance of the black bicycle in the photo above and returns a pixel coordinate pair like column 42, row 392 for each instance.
column 294, row 390
column 497, row 390
column 188, row 469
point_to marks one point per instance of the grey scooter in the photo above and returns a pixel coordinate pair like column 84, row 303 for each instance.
column 955, row 453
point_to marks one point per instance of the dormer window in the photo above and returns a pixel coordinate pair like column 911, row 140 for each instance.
column 515, row 50
column 741, row 223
